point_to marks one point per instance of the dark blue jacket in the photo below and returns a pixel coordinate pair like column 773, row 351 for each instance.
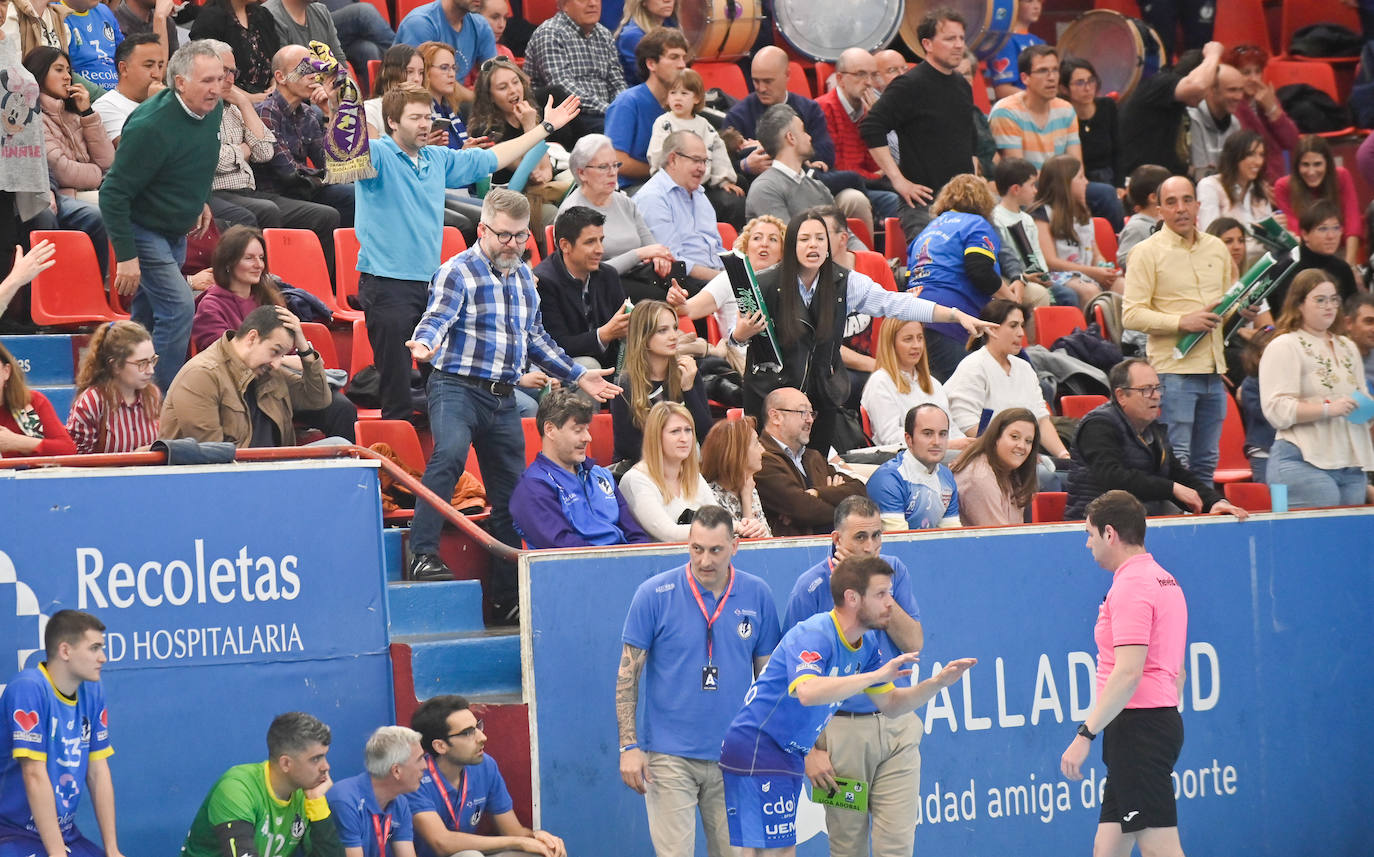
column 553, row 508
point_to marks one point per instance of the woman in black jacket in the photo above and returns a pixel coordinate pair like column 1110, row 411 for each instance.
column 249, row 29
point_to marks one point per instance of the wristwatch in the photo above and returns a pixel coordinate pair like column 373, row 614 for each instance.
column 1085, row 732
column 307, row 351
column 548, row 128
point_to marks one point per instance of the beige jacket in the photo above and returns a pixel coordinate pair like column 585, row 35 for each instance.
column 24, row 21
column 207, row 401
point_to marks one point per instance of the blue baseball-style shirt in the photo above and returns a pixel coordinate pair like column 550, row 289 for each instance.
column 471, row 46
column 43, row 724
column 680, row 716
column 811, row 595
column 481, row 790
column 362, row 823
column 1002, row 67
column 927, row 500
column 630, row 123
column 936, row 260
column 774, row 731
column 93, row 36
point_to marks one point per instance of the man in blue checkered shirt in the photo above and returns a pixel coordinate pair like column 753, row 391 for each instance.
column 573, row 51
column 479, row 330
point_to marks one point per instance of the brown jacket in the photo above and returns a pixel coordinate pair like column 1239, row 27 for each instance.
column 207, row 401
column 790, row 510
column 36, row 23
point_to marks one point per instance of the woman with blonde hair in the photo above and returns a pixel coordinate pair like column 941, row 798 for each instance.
column 655, row 371
column 666, row 486
column 639, row 17
column 730, row 457
column 996, row 473
column 901, row 382
column 1308, row 379
column 117, row 403
column 28, row 423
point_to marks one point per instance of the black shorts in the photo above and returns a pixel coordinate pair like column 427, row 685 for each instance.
column 1140, row 747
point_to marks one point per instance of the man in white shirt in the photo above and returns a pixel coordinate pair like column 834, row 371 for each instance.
column 141, row 60
column 914, row 491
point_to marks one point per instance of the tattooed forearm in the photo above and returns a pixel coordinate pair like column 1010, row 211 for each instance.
column 627, row 691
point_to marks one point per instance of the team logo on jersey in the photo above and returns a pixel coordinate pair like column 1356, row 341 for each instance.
column 85, row 729
column 105, row 718
column 606, row 486
column 476, row 817
column 810, row 661
column 26, row 721
column 746, row 628
column 297, row 827
column 987, row 245
column 109, row 33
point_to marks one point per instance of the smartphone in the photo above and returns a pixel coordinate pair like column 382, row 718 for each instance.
column 678, row 270
column 443, row 122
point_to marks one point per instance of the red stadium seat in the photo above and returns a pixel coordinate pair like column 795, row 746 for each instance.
column 1129, row 8
column 374, row 70
column 876, row 268
column 1105, row 239
column 535, row 11
column 534, row 251
column 453, row 244
column 1052, row 322
column 867, row 423
column 1242, row 22
column 712, row 329
column 1074, row 407
column 796, row 80
column 548, row 239
column 1318, row 75
column 1232, row 465
column 824, row 71
column 734, row 414
column 728, row 235
column 1250, row 496
column 534, row 441
column 72, row 291
column 399, row 434
column 362, row 348
column 860, row 230
column 1047, row 507
column 894, row 242
column 345, row 265
column 724, row 76
column 602, row 447
column 322, row 341
column 1297, row 14
column 296, row 257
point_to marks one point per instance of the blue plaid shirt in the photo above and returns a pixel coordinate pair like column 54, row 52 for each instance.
column 586, row 64
column 486, row 325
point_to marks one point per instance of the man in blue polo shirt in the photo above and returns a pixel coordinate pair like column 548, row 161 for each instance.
column 54, row 745
column 461, row 784
column 661, row 56
column 861, row 743
column 456, row 23
column 696, row 635
column 395, row 264
column 915, row 490
column 818, row 666
column 370, row 810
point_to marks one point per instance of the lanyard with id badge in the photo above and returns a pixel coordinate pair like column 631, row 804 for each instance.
column 710, row 673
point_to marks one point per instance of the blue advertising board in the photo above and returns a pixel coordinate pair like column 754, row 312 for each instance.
column 229, row 594
column 1269, row 764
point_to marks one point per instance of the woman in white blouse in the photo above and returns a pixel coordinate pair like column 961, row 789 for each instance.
column 666, row 485
column 1238, row 189
column 901, row 382
column 1308, row 377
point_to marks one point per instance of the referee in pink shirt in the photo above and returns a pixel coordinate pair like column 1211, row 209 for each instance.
column 1141, row 632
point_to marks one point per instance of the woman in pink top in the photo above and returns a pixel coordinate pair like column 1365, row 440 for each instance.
column 1141, row 635
column 242, row 284
column 1315, row 176
column 995, row 474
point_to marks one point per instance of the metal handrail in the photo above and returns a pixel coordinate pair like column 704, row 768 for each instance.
column 493, row 546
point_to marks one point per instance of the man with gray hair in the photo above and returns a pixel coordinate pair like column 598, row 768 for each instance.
column 675, row 207
column 787, row 188
column 273, row 807
column 370, row 808
column 157, row 191
column 481, row 328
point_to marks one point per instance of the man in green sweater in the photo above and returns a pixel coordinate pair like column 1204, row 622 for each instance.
column 267, row 809
column 158, row 190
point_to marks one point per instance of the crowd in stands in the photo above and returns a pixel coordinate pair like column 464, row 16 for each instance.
column 598, row 151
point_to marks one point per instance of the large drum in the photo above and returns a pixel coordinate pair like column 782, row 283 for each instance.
column 720, row 29
column 987, row 23
column 823, row 29
column 1124, row 50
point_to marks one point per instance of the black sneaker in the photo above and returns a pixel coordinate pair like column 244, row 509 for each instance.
column 428, row 566
column 504, row 615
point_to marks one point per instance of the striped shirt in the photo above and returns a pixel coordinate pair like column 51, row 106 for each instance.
column 126, row 429
column 1013, row 127
column 486, row 325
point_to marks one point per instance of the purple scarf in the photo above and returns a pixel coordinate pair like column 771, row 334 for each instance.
column 345, row 141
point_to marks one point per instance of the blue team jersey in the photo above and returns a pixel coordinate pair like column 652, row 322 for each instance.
column 811, row 595
column 1003, row 66
column 42, row 724
column 936, row 260
column 774, row 731
column 481, row 790
column 903, row 485
column 94, row 35
column 361, row 822
column 680, row 716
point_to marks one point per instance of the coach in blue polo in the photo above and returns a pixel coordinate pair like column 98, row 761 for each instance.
column 695, row 637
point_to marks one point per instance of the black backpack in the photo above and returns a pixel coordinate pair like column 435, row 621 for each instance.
column 1312, row 110
column 1325, row 40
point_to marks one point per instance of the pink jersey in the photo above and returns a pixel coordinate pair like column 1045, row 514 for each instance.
column 1144, row 607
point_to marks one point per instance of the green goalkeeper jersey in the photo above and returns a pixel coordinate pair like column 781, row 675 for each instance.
column 241, row 817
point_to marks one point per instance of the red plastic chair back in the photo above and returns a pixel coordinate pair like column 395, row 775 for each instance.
column 876, row 268
column 1250, row 496
column 1297, row 14
column 1242, row 22
column 1232, row 465
column 322, row 341
column 724, row 76
column 1052, row 322
column 602, row 447
column 796, row 80
column 824, row 71
column 71, row 292
column 534, row 439
column 362, row 348
column 860, row 230
column 452, row 245
column 1074, row 407
column 894, row 242
column 1047, row 507
column 296, row 257
column 1105, row 239
column 728, row 235
column 345, row 265
column 401, row 436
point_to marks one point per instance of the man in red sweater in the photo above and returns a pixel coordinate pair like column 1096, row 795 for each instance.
column 856, row 73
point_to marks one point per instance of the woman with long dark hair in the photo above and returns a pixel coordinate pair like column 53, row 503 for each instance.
column 117, row 403
column 1314, row 178
column 400, row 64
column 28, row 423
column 79, row 150
column 1067, row 237
column 808, row 298
column 1238, row 189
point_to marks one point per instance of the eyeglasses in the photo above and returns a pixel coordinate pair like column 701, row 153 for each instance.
column 1335, row 227
column 703, row 161
column 608, row 167
column 1325, row 300
column 1149, row 391
column 493, row 63
column 143, row 365
column 861, row 75
column 1045, row 72
column 507, row 237
column 1085, row 83
column 466, row 733
column 447, row 68
column 230, row 73
column 806, row 414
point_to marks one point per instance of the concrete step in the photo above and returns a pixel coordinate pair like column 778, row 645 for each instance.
column 474, row 664
column 393, row 549
column 444, row 607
